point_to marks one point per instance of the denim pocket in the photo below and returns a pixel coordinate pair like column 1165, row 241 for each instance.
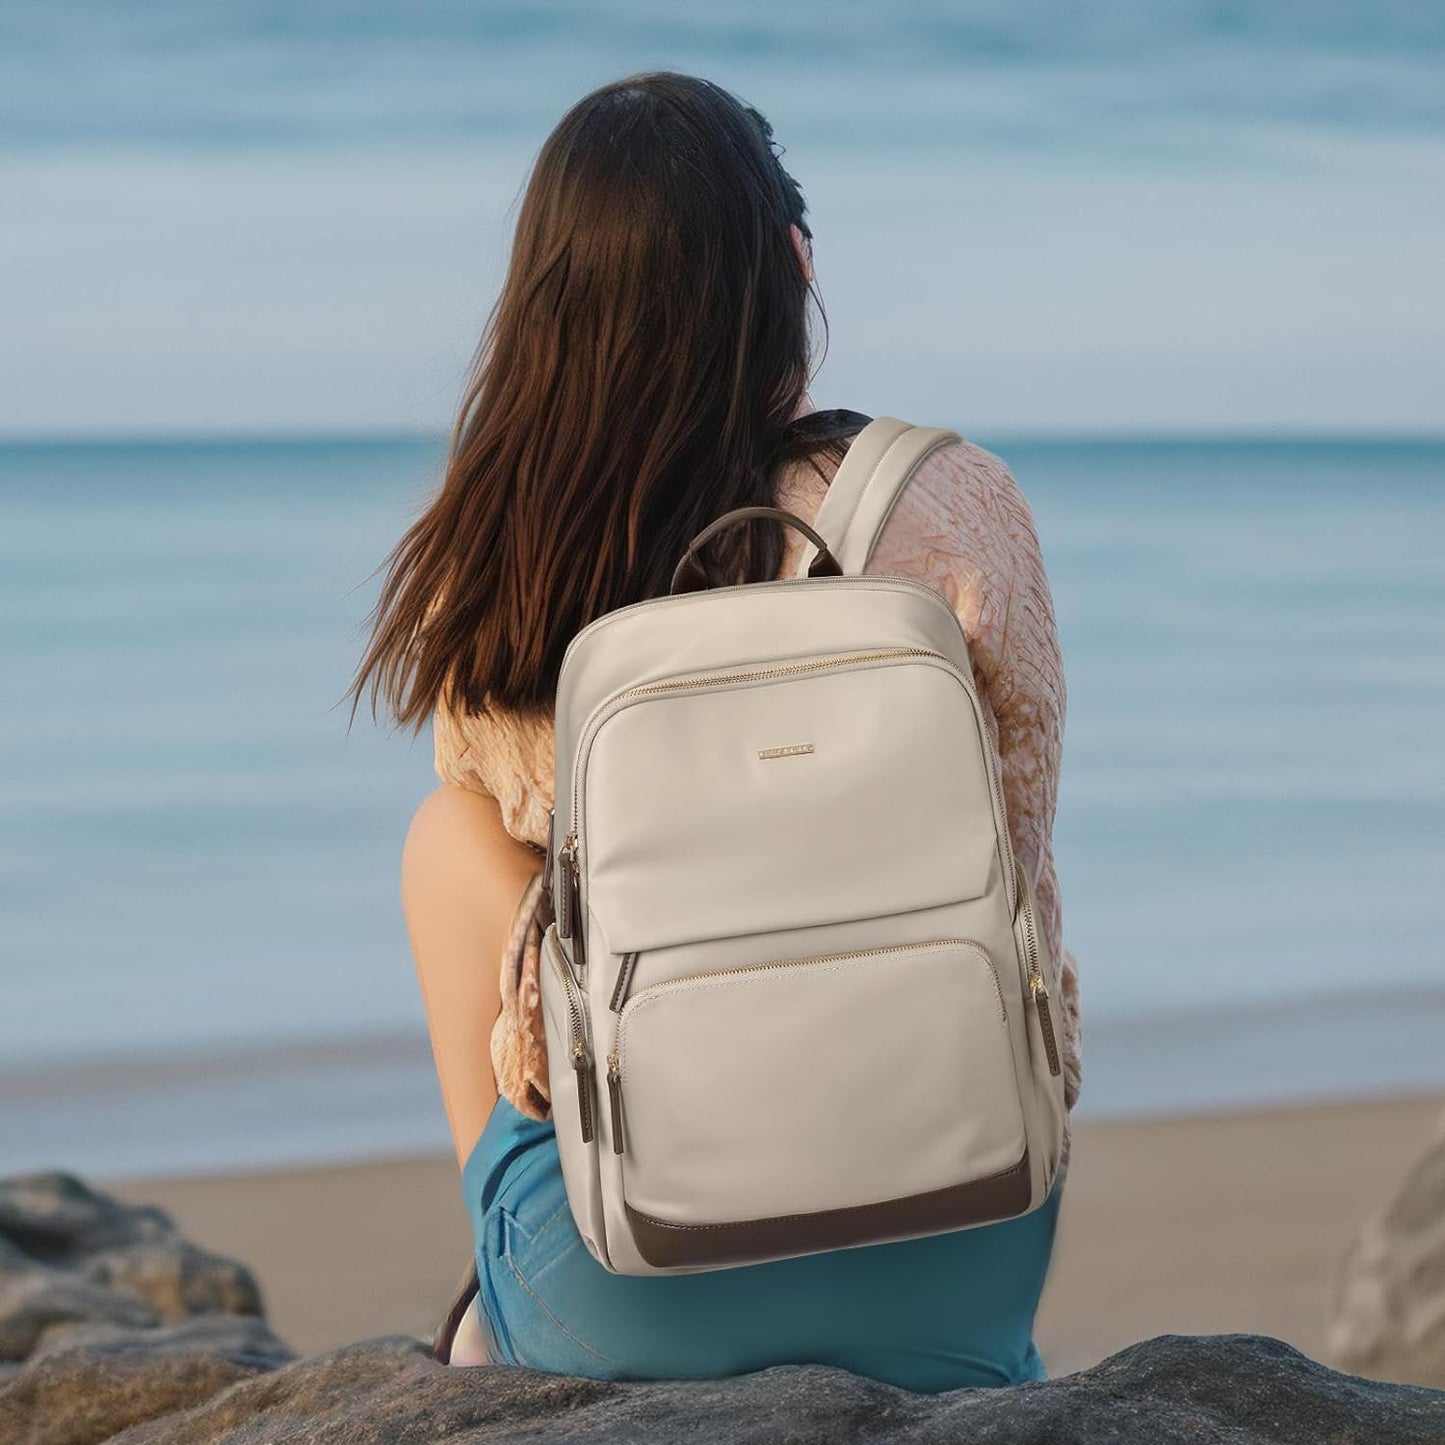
column 533, row 1241
column 546, row 1275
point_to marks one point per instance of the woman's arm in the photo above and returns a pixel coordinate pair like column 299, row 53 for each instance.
column 462, row 876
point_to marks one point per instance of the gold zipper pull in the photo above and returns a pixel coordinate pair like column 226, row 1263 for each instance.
column 1046, row 1021
column 565, row 895
column 547, row 859
column 614, row 1099
column 583, row 1071
column 574, row 910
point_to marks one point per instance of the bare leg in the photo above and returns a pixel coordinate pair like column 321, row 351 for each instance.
column 469, row 1345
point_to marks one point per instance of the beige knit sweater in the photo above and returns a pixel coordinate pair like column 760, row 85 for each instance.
column 962, row 525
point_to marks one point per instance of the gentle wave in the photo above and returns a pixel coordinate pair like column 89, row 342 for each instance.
column 923, row 74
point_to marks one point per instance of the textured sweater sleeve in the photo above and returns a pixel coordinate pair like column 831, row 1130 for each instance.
column 452, row 752
column 963, row 525
column 507, row 757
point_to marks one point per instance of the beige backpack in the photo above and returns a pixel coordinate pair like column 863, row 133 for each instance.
column 794, row 995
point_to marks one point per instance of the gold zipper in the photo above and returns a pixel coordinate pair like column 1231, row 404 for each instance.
column 614, row 1099
column 570, row 923
column 871, row 579
column 742, row 968
column 1038, row 990
column 614, row 1059
column 758, row 674
column 581, row 1063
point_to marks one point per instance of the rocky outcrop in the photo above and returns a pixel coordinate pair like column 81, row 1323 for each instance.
column 116, row 1329
column 108, row 1317
column 1387, row 1314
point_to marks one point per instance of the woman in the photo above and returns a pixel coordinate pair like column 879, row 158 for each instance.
column 644, row 370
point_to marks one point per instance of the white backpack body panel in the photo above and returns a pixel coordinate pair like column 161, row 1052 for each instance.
column 792, row 988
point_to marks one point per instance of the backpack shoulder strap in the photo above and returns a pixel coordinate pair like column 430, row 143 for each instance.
column 868, row 481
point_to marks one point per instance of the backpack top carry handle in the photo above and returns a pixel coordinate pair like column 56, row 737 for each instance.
column 868, row 482
column 859, row 499
column 690, row 575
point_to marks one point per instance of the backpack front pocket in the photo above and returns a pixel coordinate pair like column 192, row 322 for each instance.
column 804, row 1104
column 742, row 803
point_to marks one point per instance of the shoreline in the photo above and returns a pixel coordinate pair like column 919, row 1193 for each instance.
column 1199, row 1223
column 225, row 1108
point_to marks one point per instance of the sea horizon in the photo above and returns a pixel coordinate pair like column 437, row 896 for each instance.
column 1141, row 436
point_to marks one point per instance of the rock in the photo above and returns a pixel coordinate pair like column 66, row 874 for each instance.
column 109, row 1317
column 34, row 1302
column 69, row 1399
column 1387, row 1310
column 53, row 1216
column 176, row 1279
column 105, row 1360
column 1214, row 1388
column 57, row 1221
column 244, row 1340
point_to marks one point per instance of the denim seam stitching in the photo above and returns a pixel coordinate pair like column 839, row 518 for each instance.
column 533, row 1240
column 537, row 1299
column 534, row 1236
column 549, row 1222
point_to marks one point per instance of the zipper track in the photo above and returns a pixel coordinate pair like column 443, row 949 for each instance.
column 574, row 1003
column 742, row 969
column 1038, row 989
column 784, row 669
column 820, row 664
column 1031, row 943
column 581, row 1054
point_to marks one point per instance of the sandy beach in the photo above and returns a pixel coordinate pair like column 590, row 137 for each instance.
column 1197, row 1224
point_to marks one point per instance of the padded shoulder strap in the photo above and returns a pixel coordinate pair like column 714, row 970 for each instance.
column 868, row 481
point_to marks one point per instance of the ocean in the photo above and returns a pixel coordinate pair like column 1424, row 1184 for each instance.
column 249, row 251
column 1114, row 217
column 204, row 959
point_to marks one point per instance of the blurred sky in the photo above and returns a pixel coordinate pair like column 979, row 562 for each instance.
column 263, row 217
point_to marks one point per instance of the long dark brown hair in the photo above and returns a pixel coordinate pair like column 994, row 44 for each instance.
column 638, row 375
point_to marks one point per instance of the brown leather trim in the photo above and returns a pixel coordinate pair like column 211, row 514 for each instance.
column 562, row 898
column 1046, row 1027
column 691, row 573
column 624, row 981
column 582, row 1072
column 980, row 1201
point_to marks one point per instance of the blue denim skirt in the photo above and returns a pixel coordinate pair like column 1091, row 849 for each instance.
column 937, row 1313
